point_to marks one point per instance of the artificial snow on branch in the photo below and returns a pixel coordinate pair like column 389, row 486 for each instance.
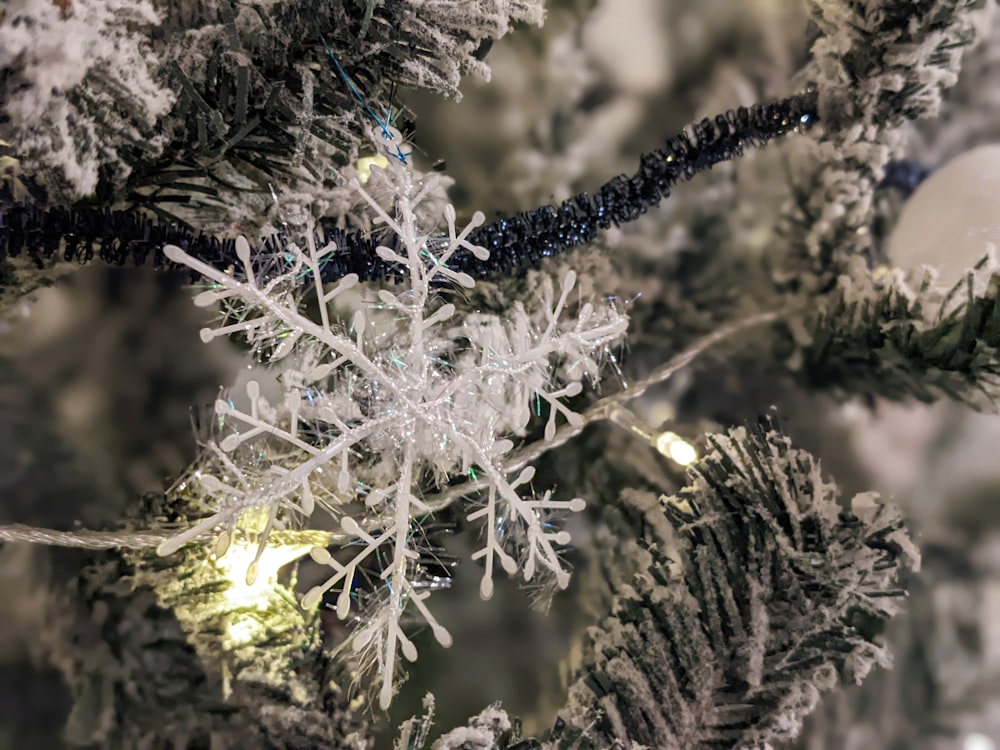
column 385, row 404
column 490, row 729
column 878, row 65
column 229, row 104
column 765, row 599
column 78, row 93
column 880, row 336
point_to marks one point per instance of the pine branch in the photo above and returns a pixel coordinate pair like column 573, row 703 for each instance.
column 878, row 65
column 263, row 110
column 943, row 688
column 774, row 595
column 76, row 112
column 773, row 599
column 879, row 337
column 228, row 104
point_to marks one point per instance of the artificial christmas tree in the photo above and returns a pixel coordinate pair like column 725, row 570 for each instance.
column 583, row 382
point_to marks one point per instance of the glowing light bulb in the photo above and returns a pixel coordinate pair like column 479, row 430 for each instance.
column 255, row 593
column 676, row 448
column 365, row 164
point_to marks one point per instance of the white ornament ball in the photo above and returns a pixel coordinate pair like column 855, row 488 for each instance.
column 952, row 218
column 978, row 741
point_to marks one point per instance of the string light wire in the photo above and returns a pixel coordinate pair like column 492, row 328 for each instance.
column 601, row 410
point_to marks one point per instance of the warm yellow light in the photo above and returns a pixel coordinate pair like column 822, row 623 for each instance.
column 881, row 272
column 366, row 163
column 676, row 448
column 244, row 627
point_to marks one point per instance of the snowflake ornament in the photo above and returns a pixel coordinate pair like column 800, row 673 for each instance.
column 388, row 395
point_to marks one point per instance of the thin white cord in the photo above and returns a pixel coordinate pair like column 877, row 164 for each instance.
column 87, row 539
column 605, row 407
column 84, row 538
column 600, row 410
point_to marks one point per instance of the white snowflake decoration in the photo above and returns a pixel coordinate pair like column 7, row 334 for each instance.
column 378, row 411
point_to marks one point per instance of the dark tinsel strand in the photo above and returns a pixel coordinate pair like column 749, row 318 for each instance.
column 529, row 237
column 119, row 237
column 905, row 176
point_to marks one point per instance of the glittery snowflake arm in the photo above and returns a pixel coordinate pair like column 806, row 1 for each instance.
column 381, row 406
column 268, row 314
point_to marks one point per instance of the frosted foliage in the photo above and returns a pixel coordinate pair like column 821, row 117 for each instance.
column 484, row 731
column 878, row 65
column 387, row 395
column 732, row 643
column 454, row 31
column 78, row 86
column 919, row 338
